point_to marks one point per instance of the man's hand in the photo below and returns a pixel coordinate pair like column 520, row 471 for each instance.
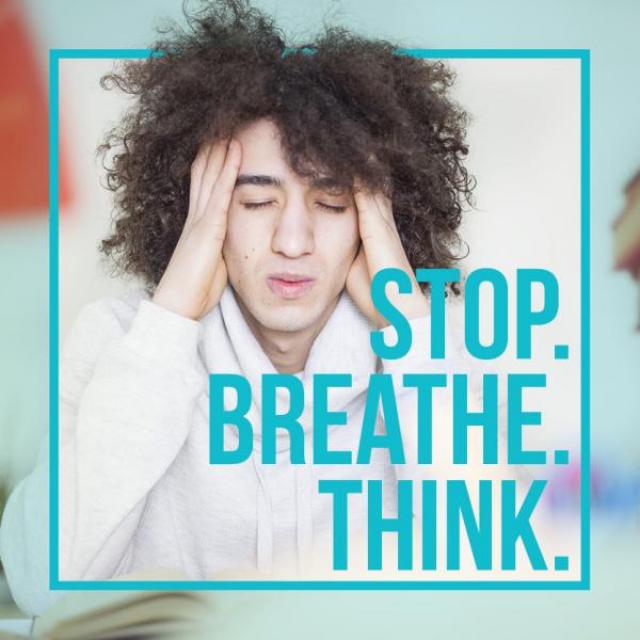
column 381, row 248
column 196, row 275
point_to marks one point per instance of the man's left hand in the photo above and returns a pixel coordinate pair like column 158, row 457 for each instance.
column 381, row 248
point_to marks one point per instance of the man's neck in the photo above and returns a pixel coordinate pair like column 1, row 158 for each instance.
column 287, row 350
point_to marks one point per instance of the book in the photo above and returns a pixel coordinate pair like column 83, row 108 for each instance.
column 102, row 615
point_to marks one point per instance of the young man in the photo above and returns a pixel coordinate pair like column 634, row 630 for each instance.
column 259, row 188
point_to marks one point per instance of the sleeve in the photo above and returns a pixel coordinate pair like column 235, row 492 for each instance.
column 128, row 388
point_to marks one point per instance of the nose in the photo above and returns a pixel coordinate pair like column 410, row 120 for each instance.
column 293, row 235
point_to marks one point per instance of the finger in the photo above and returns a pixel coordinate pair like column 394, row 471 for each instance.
column 197, row 171
column 213, row 167
column 378, row 231
column 221, row 194
column 383, row 248
column 375, row 216
column 385, row 209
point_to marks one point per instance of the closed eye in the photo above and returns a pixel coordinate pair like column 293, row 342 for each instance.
column 334, row 208
column 258, row 205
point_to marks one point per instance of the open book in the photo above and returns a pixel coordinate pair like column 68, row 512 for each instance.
column 184, row 614
column 97, row 615
column 89, row 615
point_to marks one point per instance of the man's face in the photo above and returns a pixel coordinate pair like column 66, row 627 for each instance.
column 290, row 241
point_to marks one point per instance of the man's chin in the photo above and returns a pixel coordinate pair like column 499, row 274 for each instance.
column 306, row 314
column 287, row 320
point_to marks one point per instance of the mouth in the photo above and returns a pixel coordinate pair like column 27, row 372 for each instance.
column 289, row 286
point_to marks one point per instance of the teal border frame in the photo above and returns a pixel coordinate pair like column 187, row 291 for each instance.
column 583, row 55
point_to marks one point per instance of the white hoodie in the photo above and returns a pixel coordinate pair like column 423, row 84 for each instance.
column 136, row 487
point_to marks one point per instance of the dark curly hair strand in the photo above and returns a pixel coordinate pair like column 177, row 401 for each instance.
column 345, row 106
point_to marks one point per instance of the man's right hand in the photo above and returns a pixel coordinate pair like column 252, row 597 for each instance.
column 196, row 275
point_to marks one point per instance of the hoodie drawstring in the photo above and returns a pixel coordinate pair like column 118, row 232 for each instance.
column 264, row 518
column 304, row 509
column 303, row 488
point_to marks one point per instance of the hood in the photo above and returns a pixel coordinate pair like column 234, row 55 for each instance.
column 342, row 346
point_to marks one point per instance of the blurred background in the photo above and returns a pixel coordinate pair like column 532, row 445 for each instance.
column 609, row 29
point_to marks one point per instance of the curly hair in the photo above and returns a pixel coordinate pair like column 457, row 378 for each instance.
column 345, row 106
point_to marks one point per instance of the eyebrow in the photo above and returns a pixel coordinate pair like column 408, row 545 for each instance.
column 323, row 182
column 259, row 180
